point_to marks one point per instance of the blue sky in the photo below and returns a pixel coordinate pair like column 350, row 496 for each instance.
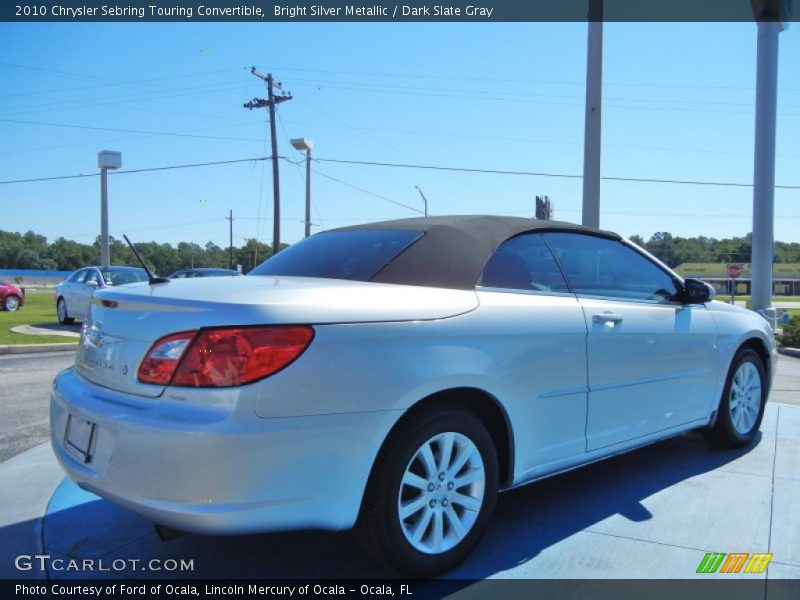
column 678, row 104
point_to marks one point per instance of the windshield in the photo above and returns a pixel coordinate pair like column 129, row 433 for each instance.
column 356, row 255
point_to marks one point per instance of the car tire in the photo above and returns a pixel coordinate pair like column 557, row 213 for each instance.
column 441, row 520
column 61, row 312
column 11, row 303
column 741, row 407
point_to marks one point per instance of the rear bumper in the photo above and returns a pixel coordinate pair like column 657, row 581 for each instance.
column 218, row 471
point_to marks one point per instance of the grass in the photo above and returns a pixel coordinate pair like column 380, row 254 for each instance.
column 39, row 308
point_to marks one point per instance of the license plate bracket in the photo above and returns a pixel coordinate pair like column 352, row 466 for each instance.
column 79, row 437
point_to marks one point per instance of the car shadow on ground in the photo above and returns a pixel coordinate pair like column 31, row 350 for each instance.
column 529, row 520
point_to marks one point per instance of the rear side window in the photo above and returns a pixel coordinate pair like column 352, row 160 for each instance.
column 357, row 255
column 599, row 266
column 524, row 263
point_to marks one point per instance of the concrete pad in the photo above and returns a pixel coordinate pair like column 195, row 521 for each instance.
column 80, row 524
column 693, row 451
column 651, row 513
column 785, row 543
column 778, row 570
column 28, row 481
column 514, row 549
column 636, row 497
column 787, row 453
column 769, row 423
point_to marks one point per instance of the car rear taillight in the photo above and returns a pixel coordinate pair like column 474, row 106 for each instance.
column 223, row 357
column 162, row 359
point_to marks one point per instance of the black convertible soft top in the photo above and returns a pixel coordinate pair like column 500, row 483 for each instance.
column 454, row 249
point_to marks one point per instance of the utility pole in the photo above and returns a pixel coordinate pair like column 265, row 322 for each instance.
column 424, row 199
column 594, row 100
column 230, row 245
column 271, row 102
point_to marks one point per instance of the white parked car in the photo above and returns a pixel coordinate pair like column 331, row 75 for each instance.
column 394, row 377
column 72, row 296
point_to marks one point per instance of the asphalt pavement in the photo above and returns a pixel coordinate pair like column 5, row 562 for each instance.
column 25, row 384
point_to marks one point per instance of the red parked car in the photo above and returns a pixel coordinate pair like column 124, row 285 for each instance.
column 11, row 297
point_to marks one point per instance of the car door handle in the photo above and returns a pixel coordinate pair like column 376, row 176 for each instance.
column 607, row 318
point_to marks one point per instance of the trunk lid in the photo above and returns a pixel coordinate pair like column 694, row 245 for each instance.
column 124, row 321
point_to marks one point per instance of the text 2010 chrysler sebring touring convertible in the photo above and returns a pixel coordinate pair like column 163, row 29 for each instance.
column 395, row 376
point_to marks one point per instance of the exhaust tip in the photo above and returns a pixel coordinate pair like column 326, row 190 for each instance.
column 166, row 534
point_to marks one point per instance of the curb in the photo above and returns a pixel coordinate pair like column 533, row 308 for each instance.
column 28, row 348
column 793, row 352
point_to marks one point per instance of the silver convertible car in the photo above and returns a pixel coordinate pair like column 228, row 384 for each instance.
column 395, row 376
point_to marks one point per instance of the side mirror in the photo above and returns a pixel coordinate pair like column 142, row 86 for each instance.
column 697, row 292
column 91, row 283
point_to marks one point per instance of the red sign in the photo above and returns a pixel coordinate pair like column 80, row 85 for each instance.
column 734, row 271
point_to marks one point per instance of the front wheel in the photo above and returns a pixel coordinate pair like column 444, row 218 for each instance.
column 11, row 303
column 61, row 312
column 431, row 494
column 741, row 407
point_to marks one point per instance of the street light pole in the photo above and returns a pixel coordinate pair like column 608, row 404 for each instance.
column 105, row 250
column 305, row 144
column 424, row 199
column 308, row 192
column 106, row 159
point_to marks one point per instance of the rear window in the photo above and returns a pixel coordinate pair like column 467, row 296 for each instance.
column 357, row 255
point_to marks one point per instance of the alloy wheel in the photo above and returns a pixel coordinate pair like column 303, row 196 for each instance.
column 441, row 493
column 745, row 399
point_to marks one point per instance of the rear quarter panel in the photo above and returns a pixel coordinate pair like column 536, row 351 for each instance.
column 526, row 351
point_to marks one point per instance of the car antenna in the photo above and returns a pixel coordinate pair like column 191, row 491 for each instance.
column 150, row 277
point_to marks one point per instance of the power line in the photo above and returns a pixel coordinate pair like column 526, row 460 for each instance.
column 139, row 131
column 543, row 174
column 511, row 96
column 142, row 96
column 362, row 190
column 114, row 82
column 417, row 76
column 129, row 171
column 409, row 166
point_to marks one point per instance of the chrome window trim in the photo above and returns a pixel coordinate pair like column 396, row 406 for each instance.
column 481, row 288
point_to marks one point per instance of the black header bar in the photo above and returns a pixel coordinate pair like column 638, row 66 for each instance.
column 479, row 11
